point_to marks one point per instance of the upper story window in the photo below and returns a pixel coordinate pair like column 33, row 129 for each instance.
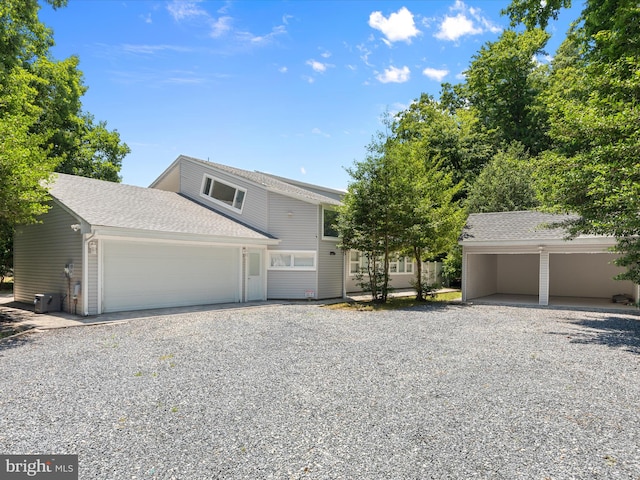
column 223, row 193
column 329, row 219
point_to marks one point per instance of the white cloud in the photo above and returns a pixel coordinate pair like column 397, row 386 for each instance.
column 152, row 49
column 394, row 75
column 452, row 28
column 317, row 131
column 221, row 26
column 468, row 21
column 364, row 54
column 435, row 74
column 318, row 66
column 267, row 38
column 303, row 170
column 181, row 10
column 399, row 27
column 283, row 69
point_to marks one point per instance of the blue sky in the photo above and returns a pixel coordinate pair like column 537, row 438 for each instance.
column 293, row 88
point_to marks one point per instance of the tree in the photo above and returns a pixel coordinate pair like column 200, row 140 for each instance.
column 42, row 126
column 594, row 94
column 367, row 220
column 427, row 146
column 505, row 184
column 503, row 86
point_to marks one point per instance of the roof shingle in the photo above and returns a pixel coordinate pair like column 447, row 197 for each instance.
column 519, row 226
column 116, row 205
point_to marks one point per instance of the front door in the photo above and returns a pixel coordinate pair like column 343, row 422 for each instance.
column 255, row 280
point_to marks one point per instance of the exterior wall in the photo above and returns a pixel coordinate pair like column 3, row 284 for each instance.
column 255, row 211
column 481, row 275
column 518, row 274
column 431, row 271
column 290, row 285
column 330, row 270
column 586, row 275
column 295, row 223
column 41, row 252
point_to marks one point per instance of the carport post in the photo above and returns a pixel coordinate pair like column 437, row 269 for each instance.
column 543, row 282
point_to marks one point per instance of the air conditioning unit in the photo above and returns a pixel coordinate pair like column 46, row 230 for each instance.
column 46, row 302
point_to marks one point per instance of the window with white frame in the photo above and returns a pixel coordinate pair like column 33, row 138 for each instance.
column 223, row 193
column 358, row 263
column 329, row 219
column 292, row 260
column 401, row 265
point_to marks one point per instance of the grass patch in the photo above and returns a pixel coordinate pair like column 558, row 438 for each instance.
column 396, row 303
column 7, row 285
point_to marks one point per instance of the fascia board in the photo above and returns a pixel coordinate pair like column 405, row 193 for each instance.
column 105, row 232
column 603, row 241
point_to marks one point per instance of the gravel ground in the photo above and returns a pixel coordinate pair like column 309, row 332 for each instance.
column 302, row 391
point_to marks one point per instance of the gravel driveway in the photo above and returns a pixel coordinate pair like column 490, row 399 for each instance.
column 302, row 391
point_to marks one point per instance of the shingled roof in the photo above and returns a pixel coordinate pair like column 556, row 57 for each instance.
column 115, row 205
column 513, row 226
column 270, row 182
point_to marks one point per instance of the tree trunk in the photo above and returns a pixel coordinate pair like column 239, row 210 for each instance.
column 417, row 254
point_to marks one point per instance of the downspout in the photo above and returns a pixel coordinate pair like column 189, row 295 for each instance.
column 85, row 273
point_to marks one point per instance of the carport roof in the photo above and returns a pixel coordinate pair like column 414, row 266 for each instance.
column 513, row 226
column 115, row 205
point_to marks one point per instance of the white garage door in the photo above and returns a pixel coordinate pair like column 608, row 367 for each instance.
column 138, row 275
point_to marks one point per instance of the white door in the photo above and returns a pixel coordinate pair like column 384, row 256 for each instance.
column 139, row 275
column 255, row 280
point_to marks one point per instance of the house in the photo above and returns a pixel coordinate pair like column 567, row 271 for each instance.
column 202, row 233
column 516, row 253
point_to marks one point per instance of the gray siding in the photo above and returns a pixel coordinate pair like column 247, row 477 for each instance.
column 294, row 222
column 255, row 206
column 330, row 270
column 290, row 285
column 40, row 254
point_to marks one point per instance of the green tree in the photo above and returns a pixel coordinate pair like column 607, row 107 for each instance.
column 593, row 168
column 367, row 220
column 427, row 147
column 503, row 86
column 505, row 184
column 42, row 126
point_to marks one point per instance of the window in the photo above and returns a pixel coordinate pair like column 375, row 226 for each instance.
column 329, row 218
column 223, row 193
column 358, row 263
column 292, row 260
column 401, row 265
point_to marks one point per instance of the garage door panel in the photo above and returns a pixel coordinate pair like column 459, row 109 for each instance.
column 145, row 275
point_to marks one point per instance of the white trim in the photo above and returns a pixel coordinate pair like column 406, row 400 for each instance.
column 208, row 197
column 100, row 274
column 324, row 237
column 543, row 280
column 188, row 238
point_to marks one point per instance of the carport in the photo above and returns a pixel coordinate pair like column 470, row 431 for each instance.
column 515, row 257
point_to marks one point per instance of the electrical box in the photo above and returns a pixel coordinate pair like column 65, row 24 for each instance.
column 46, row 302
